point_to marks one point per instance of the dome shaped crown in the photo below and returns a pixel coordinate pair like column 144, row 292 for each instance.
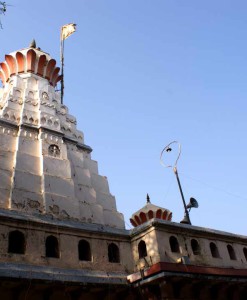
column 148, row 212
column 30, row 60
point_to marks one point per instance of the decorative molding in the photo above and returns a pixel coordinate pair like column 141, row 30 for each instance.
column 80, row 146
column 30, row 119
column 8, row 131
column 31, row 101
column 30, row 134
column 11, row 115
column 47, row 104
column 50, row 121
column 71, row 119
column 17, row 100
column 51, row 138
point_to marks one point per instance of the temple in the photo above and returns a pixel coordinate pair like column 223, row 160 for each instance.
column 62, row 236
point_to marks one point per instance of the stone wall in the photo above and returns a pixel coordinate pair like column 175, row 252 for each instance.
column 68, row 236
column 194, row 246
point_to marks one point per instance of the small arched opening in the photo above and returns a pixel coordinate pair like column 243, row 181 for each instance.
column 231, row 252
column 51, row 247
column 142, row 249
column 54, row 150
column 174, row 244
column 113, row 253
column 214, row 250
column 195, row 247
column 84, row 250
column 245, row 252
column 17, row 243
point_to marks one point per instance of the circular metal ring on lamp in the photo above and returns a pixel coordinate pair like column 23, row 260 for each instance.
column 167, row 149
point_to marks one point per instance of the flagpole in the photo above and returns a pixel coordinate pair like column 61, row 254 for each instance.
column 62, row 64
column 66, row 31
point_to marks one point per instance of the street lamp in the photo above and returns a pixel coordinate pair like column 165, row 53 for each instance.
column 193, row 203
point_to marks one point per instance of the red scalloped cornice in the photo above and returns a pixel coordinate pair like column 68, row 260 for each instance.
column 29, row 62
column 149, row 212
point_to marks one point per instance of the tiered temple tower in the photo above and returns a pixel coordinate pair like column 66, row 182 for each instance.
column 45, row 167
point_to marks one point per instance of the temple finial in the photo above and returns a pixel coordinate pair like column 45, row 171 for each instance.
column 32, row 44
column 148, row 199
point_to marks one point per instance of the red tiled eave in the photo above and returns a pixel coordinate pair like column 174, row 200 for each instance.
column 186, row 269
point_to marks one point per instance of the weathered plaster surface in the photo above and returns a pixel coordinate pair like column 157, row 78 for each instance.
column 156, row 234
column 37, row 228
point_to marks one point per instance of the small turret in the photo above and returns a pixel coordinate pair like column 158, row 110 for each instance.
column 148, row 212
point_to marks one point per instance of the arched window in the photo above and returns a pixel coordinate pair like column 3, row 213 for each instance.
column 51, row 247
column 174, row 244
column 214, row 250
column 245, row 253
column 113, row 253
column 17, row 243
column 142, row 249
column 231, row 252
column 54, row 150
column 84, row 250
column 195, row 247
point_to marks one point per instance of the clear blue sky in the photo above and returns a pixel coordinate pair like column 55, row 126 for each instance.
column 140, row 74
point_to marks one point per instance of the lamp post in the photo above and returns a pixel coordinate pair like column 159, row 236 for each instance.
column 193, row 203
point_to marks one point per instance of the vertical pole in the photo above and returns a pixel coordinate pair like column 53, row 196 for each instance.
column 186, row 213
column 62, row 65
